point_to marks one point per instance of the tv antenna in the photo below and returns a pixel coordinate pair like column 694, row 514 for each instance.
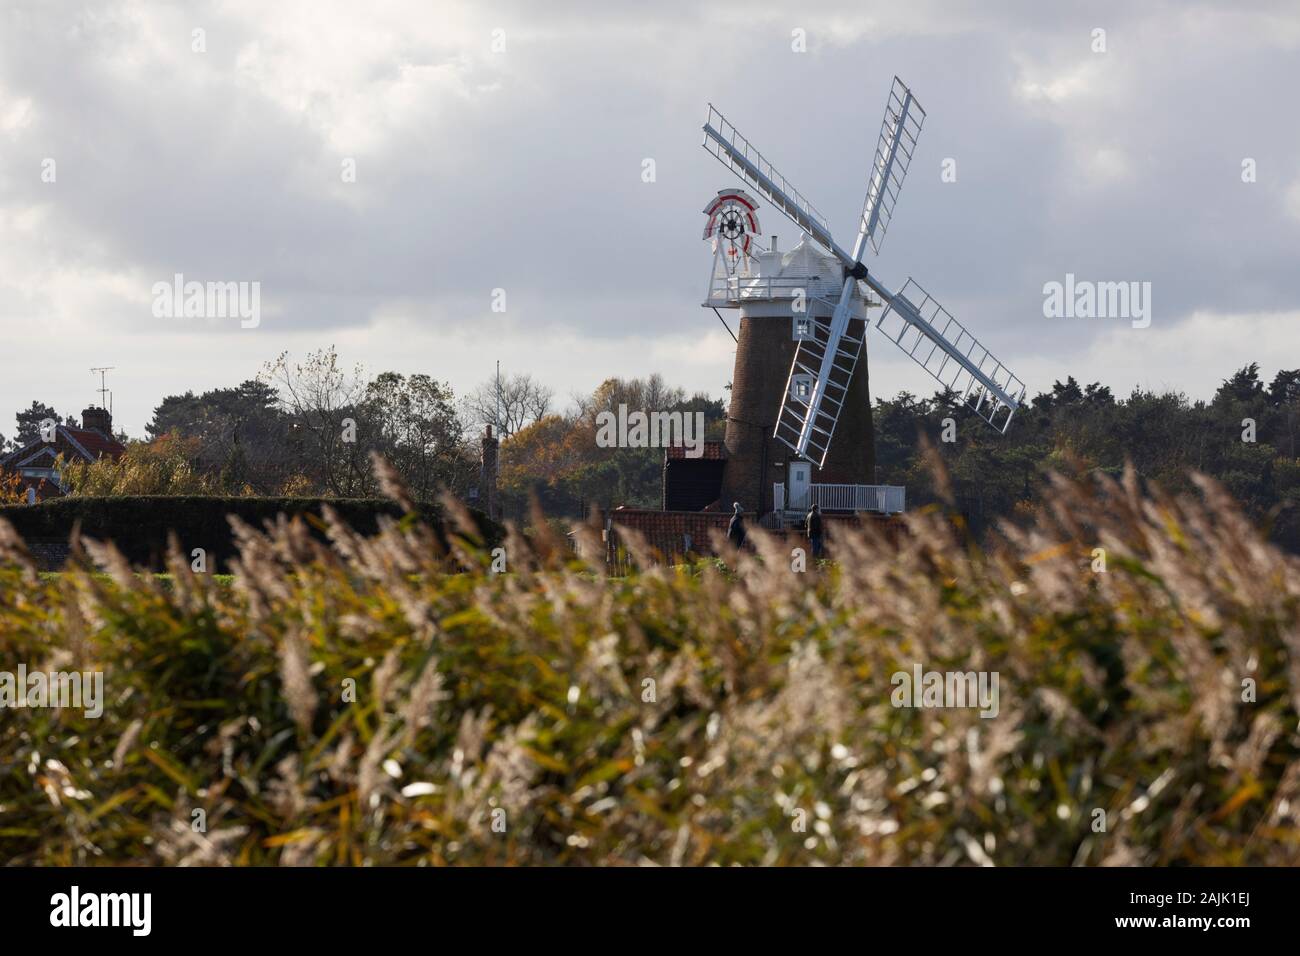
column 105, row 396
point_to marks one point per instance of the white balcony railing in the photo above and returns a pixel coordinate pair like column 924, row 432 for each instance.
column 733, row 290
column 886, row 499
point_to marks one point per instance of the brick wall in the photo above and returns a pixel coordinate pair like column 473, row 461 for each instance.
column 667, row 531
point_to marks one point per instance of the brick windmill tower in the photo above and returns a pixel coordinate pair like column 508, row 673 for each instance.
column 799, row 429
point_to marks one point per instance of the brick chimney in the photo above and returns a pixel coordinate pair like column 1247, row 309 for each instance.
column 97, row 420
column 487, row 478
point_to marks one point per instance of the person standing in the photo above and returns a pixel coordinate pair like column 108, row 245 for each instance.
column 736, row 529
column 813, row 527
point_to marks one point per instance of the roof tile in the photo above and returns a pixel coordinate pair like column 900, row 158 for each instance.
column 713, row 451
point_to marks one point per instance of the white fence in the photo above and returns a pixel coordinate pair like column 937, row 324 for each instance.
column 886, row 499
column 889, row 499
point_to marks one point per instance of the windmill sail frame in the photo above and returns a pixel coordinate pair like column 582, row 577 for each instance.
column 955, row 358
column 899, row 132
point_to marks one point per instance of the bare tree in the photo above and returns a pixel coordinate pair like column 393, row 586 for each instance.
column 320, row 396
column 644, row 394
column 516, row 402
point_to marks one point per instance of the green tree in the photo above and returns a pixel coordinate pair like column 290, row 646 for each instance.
column 29, row 423
column 413, row 423
column 242, row 434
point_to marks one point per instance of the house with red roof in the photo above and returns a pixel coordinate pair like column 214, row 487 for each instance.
column 36, row 462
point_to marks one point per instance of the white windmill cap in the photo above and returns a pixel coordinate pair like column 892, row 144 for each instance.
column 808, row 259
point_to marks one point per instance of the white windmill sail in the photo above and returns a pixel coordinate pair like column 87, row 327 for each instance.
column 818, row 384
column 817, row 387
column 898, row 135
column 736, row 153
column 941, row 345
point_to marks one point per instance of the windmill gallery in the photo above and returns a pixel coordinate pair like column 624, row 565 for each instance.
column 799, row 428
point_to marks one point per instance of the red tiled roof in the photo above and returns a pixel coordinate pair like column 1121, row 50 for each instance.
column 713, row 451
column 665, row 531
column 659, row 524
column 69, row 441
column 97, row 444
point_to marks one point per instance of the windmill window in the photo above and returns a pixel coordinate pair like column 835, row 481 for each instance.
column 801, row 387
column 802, row 328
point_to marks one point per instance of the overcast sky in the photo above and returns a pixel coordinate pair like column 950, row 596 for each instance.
column 521, row 169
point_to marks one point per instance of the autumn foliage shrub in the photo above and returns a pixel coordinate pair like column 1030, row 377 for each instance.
column 165, row 466
column 378, row 700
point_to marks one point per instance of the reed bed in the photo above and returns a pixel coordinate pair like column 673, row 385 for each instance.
column 380, row 701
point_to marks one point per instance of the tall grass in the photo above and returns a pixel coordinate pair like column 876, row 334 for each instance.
column 551, row 715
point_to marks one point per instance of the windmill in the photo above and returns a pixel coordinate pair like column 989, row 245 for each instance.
column 821, row 387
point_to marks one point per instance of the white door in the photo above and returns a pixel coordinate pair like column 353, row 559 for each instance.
column 800, row 485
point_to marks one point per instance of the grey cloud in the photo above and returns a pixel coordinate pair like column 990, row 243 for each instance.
column 523, row 171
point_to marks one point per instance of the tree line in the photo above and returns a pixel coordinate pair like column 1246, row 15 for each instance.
column 1246, row 437
column 308, row 428
column 301, row 427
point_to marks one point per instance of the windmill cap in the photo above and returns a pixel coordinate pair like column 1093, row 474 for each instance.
column 807, row 258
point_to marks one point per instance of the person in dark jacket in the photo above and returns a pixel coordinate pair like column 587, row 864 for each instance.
column 813, row 526
column 736, row 529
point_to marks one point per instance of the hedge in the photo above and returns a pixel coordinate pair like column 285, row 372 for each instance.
column 139, row 525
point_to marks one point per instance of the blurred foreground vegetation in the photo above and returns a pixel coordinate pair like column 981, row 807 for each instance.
column 375, row 700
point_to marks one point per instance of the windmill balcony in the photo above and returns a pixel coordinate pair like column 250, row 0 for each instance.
column 730, row 291
column 883, row 499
